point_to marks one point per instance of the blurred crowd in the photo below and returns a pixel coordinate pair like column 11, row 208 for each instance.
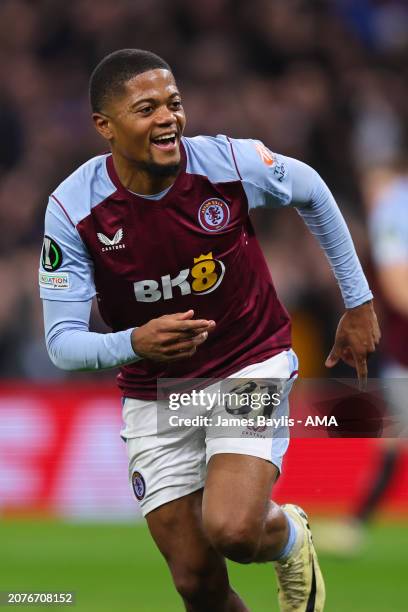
column 322, row 81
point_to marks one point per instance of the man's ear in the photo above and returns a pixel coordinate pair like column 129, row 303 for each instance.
column 103, row 125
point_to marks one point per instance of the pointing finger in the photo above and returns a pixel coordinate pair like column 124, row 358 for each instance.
column 360, row 364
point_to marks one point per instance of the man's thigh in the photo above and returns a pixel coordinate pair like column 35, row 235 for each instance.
column 245, row 460
column 237, row 493
column 162, row 467
column 241, row 424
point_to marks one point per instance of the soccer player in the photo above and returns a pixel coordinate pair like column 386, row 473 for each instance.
column 158, row 230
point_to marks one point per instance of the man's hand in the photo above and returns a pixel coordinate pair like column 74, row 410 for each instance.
column 171, row 337
column 357, row 335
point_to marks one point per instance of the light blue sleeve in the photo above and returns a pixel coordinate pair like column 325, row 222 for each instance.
column 70, row 344
column 275, row 180
column 319, row 211
column 70, row 279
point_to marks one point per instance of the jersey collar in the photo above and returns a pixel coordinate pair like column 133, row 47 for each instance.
column 128, row 195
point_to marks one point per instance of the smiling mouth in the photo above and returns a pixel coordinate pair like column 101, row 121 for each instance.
column 165, row 143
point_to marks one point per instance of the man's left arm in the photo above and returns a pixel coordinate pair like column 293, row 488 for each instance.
column 276, row 181
column 358, row 332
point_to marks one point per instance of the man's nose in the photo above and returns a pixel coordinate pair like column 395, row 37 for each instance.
column 165, row 115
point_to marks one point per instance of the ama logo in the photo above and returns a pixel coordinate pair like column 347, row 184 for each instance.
column 204, row 277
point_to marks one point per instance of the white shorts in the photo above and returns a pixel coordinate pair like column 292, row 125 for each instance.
column 166, row 465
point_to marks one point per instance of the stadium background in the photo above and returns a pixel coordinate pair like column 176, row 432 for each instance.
column 322, row 81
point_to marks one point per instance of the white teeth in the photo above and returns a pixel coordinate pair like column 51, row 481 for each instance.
column 165, row 137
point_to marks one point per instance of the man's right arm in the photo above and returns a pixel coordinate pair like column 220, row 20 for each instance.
column 71, row 346
column 67, row 288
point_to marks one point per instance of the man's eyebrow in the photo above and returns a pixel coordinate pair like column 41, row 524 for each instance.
column 153, row 100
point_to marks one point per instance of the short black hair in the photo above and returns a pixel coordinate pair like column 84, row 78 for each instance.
column 111, row 74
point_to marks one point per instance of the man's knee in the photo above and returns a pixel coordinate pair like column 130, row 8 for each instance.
column 201, row 583
column 188, row 584
column 237, row 540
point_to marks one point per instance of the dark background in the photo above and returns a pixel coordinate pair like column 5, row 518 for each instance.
column 322, row 81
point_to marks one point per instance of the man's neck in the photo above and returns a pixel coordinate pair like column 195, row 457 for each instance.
column 139, row 180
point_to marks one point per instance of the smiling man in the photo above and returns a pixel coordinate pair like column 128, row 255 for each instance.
column 159, row 231
column 147, row 152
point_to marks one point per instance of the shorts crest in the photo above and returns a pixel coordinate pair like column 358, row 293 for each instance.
column 139, row 485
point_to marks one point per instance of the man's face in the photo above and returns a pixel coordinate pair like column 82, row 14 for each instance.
column 145, row 124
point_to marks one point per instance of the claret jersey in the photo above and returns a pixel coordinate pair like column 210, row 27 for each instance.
column 192, row 248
